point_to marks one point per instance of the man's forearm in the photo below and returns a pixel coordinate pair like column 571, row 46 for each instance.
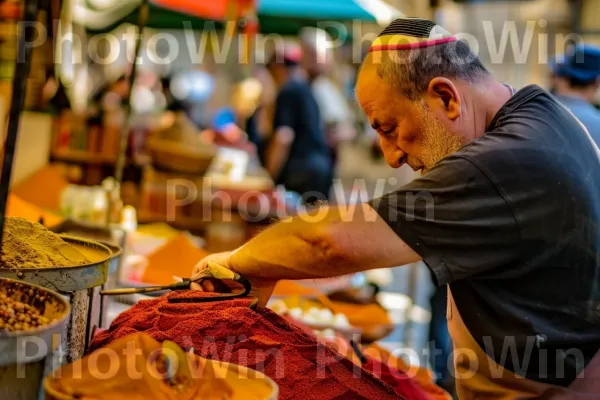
column 279, row 150
column 326, row 243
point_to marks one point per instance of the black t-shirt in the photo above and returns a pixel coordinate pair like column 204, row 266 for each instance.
column 510, row 222
column 297, row 109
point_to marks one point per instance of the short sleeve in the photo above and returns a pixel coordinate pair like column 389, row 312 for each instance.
column 285, row 109
column 456, row 220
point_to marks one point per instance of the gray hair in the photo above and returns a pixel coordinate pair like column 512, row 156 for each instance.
column 410, row 71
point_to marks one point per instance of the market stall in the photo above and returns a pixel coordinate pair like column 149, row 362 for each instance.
column 282, row 17
column 76, row 265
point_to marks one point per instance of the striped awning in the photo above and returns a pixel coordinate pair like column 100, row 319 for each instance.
column 275, row 16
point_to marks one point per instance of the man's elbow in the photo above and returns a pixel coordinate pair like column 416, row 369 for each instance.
column 326, row 244
column 330, row 245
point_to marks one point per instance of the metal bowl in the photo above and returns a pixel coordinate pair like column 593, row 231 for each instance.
column 116, row 251
column 14, row 345
column 68, row 279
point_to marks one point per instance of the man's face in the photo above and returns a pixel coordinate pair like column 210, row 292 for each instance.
column 316, row 61
column 409, row 132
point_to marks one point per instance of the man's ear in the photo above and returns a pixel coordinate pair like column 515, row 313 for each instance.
column 443, row 96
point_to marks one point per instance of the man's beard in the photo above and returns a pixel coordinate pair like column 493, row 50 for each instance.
column 437, row 141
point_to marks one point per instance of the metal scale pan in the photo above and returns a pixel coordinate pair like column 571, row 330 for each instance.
column 100, row 304
column 69, row 279
column 77, row 283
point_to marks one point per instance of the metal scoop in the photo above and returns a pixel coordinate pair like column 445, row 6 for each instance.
column 224, row 280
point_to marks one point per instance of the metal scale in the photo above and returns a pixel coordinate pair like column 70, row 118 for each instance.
column 76, row 284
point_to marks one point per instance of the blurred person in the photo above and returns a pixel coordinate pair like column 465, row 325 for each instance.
column 575, row 83
column 297, row 155
column 317, row 60
column 505, row 215
column 114, row 96
column 259, row 123
column 108, row 98
column 55, row 94
column 173, row 104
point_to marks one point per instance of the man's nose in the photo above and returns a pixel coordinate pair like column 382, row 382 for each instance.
column 394, row 157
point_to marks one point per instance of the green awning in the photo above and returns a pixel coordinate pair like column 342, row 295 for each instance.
column 160, row 18
column 316, row 10
column 284, row 17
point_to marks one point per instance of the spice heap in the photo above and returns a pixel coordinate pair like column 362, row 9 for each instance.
column 176, row 257
column 30, row 245
column 139, row 367
column 231, row 331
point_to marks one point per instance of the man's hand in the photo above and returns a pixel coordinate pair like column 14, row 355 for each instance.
column 262, row 289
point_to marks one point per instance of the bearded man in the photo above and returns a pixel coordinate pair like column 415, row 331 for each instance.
column 506, row 215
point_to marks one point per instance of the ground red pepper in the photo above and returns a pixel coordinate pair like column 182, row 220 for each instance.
column 231, row 331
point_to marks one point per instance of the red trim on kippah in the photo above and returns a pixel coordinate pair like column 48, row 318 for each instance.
column 415, row 45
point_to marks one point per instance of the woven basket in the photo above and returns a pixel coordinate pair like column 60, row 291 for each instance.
column 183, row 158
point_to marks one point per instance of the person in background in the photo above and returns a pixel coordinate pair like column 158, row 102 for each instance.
column 251, row 100
column 259, row 124
column 108, row 98
column 172, row 103
column 317, row 60
column 55, row 94
column 297, row 155
column 575, row 82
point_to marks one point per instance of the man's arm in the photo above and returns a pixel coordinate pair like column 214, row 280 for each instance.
column 329, row 242
column 278, row 150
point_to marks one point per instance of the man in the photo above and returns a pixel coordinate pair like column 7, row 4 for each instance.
column 317, row 60
column 575, row 82
column 506, row 214
column 297, row 155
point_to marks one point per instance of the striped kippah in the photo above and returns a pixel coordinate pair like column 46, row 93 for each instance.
column 411, row 33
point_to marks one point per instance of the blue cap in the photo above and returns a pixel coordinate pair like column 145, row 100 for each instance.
column 581, row 62
column 222, row 118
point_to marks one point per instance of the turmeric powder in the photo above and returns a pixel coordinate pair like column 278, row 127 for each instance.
column 28, row 244
column 135, row 367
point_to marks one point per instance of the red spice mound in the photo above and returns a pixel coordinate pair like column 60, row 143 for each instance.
column 190, row 295
column 231, row 331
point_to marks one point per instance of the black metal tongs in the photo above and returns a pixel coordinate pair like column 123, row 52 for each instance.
column 214, row 272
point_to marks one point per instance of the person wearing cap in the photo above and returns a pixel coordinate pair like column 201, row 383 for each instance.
column 317, row 60
column 575, row 82
column 505, row 214
column 297, row 155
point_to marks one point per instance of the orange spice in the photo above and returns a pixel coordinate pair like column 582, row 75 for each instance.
column 177, row 257
column 17, row 207
column 43, row 188
column 135, row 367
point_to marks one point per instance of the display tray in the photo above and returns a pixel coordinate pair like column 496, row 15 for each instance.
column 69, row 279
